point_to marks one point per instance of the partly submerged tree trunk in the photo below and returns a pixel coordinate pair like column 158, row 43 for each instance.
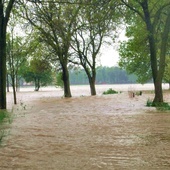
column 2, row 61
column 158, row 92
column 37, row 84
column 3, row 27
column 17, row 83
column 157, row 71
column 14, row 90
column 92, row 86
column 2, row 73
column 157, row 59
column 163, row 52
column 66, row 81
column 92, row 79
column 7, row 83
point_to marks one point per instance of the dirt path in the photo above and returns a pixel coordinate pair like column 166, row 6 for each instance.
column 110, row 132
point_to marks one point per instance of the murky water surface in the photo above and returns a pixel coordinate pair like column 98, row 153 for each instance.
column 112, row 132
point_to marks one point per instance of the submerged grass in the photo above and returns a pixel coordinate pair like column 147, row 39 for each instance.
column 110, row 91
column 3, row 115
column 160, row 106
column 4, row 118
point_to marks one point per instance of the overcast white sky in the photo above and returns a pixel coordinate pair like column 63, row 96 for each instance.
column 109, row 57
column 110, row 54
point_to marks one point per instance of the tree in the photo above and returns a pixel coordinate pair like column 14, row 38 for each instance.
column 104, row 75
column 38, row 71
column 5, row 10
column 135, row 53
column 95, row 25
column 37, row 68
column 16, row 56
column 16, row 50
column 155, row 18
column 56, row 24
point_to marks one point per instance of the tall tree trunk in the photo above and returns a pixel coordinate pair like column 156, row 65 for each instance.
column 14, row 90
column 161, row 69
column 7, row 83
column 2, row 74
column 17, row 84
column 92, row 86
column 66, row 81
column 92, row 80
column 153, row 56
column 158, row 92
column 3, row 27
column 37, row 83
column 2, row 60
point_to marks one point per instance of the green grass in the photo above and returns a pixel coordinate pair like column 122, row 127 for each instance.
column 4, row 118
column 149, row 103
column 110, row 91
column 160, row 106
column 3, row 115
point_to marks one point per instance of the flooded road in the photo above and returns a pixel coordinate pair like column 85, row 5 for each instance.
column 112, row 132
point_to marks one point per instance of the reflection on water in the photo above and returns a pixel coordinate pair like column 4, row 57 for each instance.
column 110, row 132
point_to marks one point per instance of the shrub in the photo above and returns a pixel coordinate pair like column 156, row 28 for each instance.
column 160, row 106
column 110, row 91
column 149, row 103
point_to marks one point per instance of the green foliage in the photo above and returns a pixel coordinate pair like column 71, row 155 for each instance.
column 113, row 75
column 78, row 77
column 59, row 80
column 110, row 91
column 96, row 24
column 104, row 75
column 3, row 115
column 16, row 56
column 55, row 22
column 148, row 40
column 159, row 106
column 134, row 53
column 149, row 103
column 38, row 71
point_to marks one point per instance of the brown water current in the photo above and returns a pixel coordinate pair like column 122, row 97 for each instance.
column 112, row 132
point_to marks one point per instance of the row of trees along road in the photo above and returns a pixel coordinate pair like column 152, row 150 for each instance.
column 73, row 32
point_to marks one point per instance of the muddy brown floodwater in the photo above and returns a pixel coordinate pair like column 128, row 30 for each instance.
column 111, row 132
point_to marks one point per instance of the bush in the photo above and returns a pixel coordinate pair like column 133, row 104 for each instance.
column 149, row 103
column 110, row 91
column 160, row 106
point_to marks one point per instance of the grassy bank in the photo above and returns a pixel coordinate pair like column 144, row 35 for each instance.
column 4, row 118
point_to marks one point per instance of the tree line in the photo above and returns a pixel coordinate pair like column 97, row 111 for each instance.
column 66, row 34
column 104, row 75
